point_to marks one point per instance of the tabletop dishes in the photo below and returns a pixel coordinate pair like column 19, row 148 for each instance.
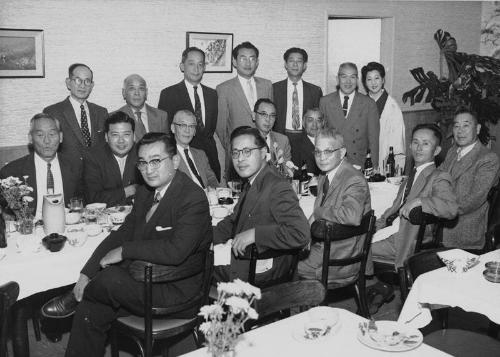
column 492, row 272
column 54, row 242
column 458, row 260
column 321, row 323
column 390, row 336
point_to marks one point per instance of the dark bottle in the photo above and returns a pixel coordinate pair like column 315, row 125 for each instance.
column 303, row 178
column 390, row 170
column 368, row 165
column 3, row 234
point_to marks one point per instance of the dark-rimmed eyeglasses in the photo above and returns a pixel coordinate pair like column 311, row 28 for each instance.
column 246, row 152
column 153, row 164
column 186, row 126
column 327, row 152
column 266, row 115
column 78, row 81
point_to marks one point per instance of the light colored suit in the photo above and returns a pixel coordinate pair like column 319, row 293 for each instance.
column 347, row 200
column 234, row 110
column 157, row 121
column 280, row 141
column 435, row 189
column 473, row 176
column 360, row 129
column 202, row 165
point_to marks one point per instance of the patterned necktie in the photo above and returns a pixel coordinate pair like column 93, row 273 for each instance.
column 140, row 128
column 243, row 196
column 295, row 108
column 251, row 96
column 459, row 154
column 197, row 109
column 193, row 168
column 345, row 105
column 326, row 186
column 156, row 202
column 85, row 126
column 50, row 180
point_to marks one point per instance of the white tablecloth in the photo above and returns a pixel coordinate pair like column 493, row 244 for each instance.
column 469, row 291
column 276, row 340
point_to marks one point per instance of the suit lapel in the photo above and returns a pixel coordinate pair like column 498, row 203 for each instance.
column 336, row 181
column 238, row 91
column 94, row 122
column 197, row 163
column 306, row 97
column 355, row 109
column 466, row 162
column 129, row 173
column 153, row 119
column 420, row 183
column 69, row 114
column 252, row 197
column 337, row 112
column 185, row 97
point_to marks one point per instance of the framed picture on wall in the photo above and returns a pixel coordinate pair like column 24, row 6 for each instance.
column 21, row 53
column 217, row 48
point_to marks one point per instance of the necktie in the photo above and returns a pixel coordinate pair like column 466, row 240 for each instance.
column 85, row 126
column 251, row 96
column 197, row 109
column 243, row 196
column 345, row 105
column 140, row 128
column 193, row 168
column 156, row 202
column 459, row 154
column 295, row 108
column 409, row 184
column 326, row 186
column 50, row 180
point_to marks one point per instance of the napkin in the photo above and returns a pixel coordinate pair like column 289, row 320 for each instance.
column 222, row 253
column 458, row 260
column 386, row 232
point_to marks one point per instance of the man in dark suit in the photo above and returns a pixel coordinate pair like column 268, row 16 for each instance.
column 147, row 118
column 203, row 103
column 110, row 172
column 294, row 96
column 267, row 213
column 82, row 122
column 170, row 221
column 47, row 171
column 354, row 114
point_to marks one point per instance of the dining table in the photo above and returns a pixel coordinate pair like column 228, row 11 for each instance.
column 280, row 338
column 468, row 290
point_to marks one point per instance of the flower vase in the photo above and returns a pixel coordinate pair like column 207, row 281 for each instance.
column 25, row 225
column 230, row 353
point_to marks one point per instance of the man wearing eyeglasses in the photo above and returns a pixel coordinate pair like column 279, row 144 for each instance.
column 193, row 162
column 169, row 223
column 82, row 122
column 343, row 197
column 267, row 213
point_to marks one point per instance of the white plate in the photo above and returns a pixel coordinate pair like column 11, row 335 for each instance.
column 299, row 334
column 382, row 339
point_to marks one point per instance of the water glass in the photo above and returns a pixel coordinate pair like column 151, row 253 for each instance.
column 76, row 204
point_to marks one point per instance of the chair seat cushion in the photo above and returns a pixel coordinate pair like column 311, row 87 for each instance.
column 159, row 324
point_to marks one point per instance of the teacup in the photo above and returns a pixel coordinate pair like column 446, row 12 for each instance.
column 77, row 236
column 54, row 242
column 315, row 329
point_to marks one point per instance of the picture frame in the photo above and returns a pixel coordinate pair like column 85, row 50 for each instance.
column 218, row 49
column 21, row 53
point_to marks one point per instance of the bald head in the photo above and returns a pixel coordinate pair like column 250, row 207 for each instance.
column 135, row 91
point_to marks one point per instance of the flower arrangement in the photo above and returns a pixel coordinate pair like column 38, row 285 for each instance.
column 226, row 317
column 16, row 194
column 275, row 157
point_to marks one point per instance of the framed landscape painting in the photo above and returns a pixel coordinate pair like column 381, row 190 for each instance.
column 217, row 48
column 21, row 53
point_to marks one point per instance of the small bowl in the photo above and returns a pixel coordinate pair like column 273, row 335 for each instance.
column 493, row 267
column 395, row 180
column 73, row 217
column 95, row 206
column 491, row 276
column 54, row 242
column 93, row 229
column 118, row 217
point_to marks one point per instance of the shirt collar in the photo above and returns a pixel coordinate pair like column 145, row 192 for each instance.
column 422, row 167
column 465, row 150
column 76, row 104
column 290, row 82
column 39, row 159
column 331, row 174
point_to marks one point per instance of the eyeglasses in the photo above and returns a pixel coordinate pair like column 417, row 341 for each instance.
column 78, row 81
column 186, row 126
column 247, row 59
column 266, row 115
column 235, row 154
column 153, row 164
column 327, row 152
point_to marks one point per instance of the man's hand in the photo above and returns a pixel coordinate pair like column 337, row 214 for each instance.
column 112, row 257
column 243, row 240
column 130, row 190
column 408, row 206
column 80, row 285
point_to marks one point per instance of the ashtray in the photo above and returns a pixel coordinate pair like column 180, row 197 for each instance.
column 54, row 242
column 225, row 201
column 491, row 276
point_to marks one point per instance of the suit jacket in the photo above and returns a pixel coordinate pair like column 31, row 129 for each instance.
column 310, row 99
column 175, row 98
column 203, row 167
column 103, row 181
column 347, row 200
column 157, row 121
column 302, row 151
column 71, row 172
column 272, row 208
column 473, row 177
column 360, row 129
column 280, row 141
column 73, row 143
column 184, row 208
column 435, row 189
column 234, row 110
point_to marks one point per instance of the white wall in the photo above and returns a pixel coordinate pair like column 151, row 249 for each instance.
column 116, row 38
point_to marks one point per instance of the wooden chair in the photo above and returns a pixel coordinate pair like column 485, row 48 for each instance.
column 337, row 232
column 8, row 296
column 156, row 325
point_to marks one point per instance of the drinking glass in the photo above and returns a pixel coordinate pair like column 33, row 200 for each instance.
column 235, row 187
column 76, row 204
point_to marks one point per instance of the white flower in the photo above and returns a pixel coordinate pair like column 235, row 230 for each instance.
column 210, row 310
column 205, row 327
column 237, row 304
column 248, row 289
column 28, row 199
column 291, row 165
column 229, row 288
column 252, row 314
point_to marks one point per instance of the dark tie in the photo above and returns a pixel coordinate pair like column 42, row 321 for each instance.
column 345, row 106
column 295, row 108
column 197, row 109
column 243, row 196
column 154, row 206
column 193, row 168
column 50, row 180
column 140, row 128
column 409, row 184
column 85, row 126
column 326, row 186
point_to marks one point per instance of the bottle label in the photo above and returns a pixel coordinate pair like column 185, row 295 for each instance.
column 368, row 172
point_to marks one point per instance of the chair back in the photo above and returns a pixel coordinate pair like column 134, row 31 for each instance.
column 8, row 296
column 337, row 232
column 422, row 219
column 493, row 229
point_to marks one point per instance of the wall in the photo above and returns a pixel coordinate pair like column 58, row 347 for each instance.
column 117, row 38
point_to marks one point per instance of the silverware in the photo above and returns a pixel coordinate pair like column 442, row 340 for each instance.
column 414, row 317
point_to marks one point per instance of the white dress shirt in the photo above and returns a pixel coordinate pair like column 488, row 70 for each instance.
column 190, row 89
column 41, row 181
column 465, row 150
column 349, row 101
column 121, row 163
column 180, row 151
column 289, row 103
column 144, row 116
column 78, row 112
column 244, row 85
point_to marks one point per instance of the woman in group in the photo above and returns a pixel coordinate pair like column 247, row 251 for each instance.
column 392, row 127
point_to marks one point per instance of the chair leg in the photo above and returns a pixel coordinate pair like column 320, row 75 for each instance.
column 35, row 318
column 361, row 294
column 113, row 337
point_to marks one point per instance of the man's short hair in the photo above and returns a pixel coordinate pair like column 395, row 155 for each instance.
column 295, row 50
column 262, row 100
column 133, row 75
column 333, row 134
column 315, row 110
column 462, row 109
column 246, row 130
column 74, row 65
column 187, row 112
column 432, row 127
column 44, row 116
column 348, row 64
column 168, row 141
column 185, row 53
column 371, row 66
column 118, row 117
column 247, row 45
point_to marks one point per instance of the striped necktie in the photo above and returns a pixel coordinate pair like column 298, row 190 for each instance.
column 156, row 202
column 50, row 180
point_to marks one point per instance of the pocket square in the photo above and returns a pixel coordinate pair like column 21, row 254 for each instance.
column 160, row 228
